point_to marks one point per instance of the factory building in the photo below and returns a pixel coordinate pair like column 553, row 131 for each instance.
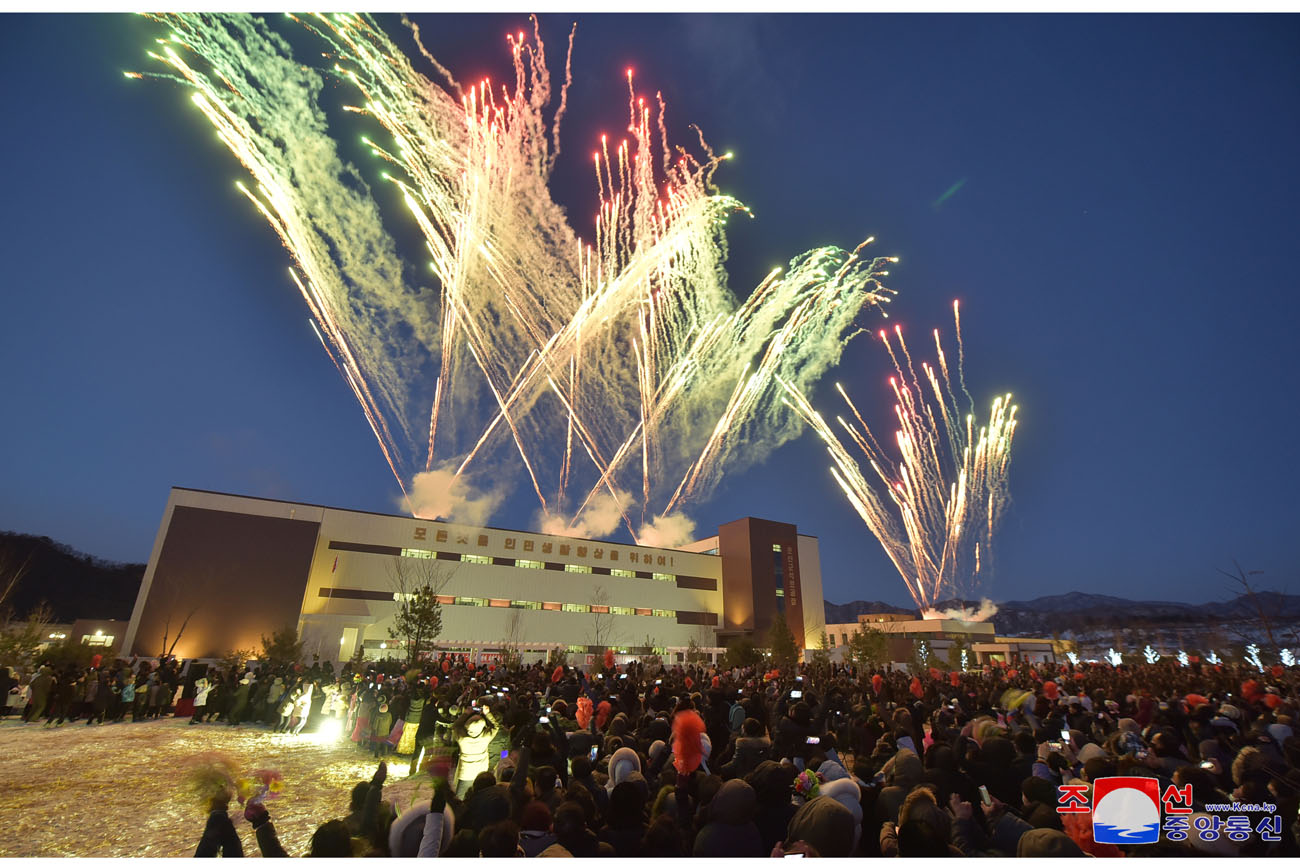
column 226, row 570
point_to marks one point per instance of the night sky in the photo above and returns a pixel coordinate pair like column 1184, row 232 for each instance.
column 1124, row 247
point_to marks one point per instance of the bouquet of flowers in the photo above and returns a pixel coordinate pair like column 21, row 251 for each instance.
column 263, row 784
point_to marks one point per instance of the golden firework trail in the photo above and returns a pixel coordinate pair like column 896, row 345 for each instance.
column 612, row 363
column 935, row 505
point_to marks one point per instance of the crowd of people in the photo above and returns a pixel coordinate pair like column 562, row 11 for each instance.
column 820, row 760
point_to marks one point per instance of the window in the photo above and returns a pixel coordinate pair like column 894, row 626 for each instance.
column 623, row 611
column 644, row 611
column 476, row 559
column 576, row 608
column 550, row 605
column 780, row 593
column 528, row 563
column 831, row 637
column 578, row 569
column 416, row 553
column 622, row 572
column 671, row 613
column 471, row 602
column 498, row 602
column 776, row 548
column 527, row 605
column 600, row 608
column 658, row 575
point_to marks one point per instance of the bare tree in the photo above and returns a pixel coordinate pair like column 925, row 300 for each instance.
column 417, row 583
column 172, row 597
column 602, row 621
column 510, row 655
column 1242, row 577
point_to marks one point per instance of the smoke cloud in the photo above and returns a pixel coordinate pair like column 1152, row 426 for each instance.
column 985, row 612
column 671, row 530
column 600, row 518
column 442, row 493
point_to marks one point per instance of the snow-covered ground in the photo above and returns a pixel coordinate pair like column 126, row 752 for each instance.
column 118, row 790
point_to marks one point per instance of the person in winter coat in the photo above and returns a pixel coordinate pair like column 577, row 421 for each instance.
column 627, row 821
column 771, row 783
column 473, row 733
column 99, row 700
column 239, row 709
column 824, row 824
column 41, row 685
column 302, row 707
column 750, row 749
column 729, row 829
column 202, row 688
column 573, row 837
column 535, row 834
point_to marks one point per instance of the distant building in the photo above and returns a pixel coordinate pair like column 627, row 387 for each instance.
column 978, row 638
column 226, row 570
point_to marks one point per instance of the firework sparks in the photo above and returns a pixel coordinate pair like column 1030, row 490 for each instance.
column 620, row 365
column 939, row 501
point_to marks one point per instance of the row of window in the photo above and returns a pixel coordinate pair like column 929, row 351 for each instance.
column 479, row 559
column 567, row 607
column 444, row 537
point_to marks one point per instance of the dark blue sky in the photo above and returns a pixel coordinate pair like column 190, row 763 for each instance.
column 1123, row 246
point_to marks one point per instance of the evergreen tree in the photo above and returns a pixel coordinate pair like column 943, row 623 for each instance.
column 282, row 647
column 868, row 647
column 418, row 621
column 785, row 653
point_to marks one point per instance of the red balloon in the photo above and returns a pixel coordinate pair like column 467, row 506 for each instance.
column 1078, row 676
column 916, row 688
column 934, row 674
column 1050, row 690
column 954, row 678
column 492, row 668
column 1272, row 701
column 876, row 682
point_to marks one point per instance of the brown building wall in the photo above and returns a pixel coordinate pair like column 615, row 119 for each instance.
column 749, row 576
column 241, row 575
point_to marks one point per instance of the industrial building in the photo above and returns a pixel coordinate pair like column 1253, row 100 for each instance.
column 226, row 570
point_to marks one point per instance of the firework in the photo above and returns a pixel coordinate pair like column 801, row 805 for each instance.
column 617, row 371
column 939, row 501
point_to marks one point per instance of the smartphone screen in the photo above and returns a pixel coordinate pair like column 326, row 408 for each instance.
column 1065, row 735
column 543, row 719
column 796, row 694
column 984, row 796
column 505, row 753
column 812, row 741
column 594, row 750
